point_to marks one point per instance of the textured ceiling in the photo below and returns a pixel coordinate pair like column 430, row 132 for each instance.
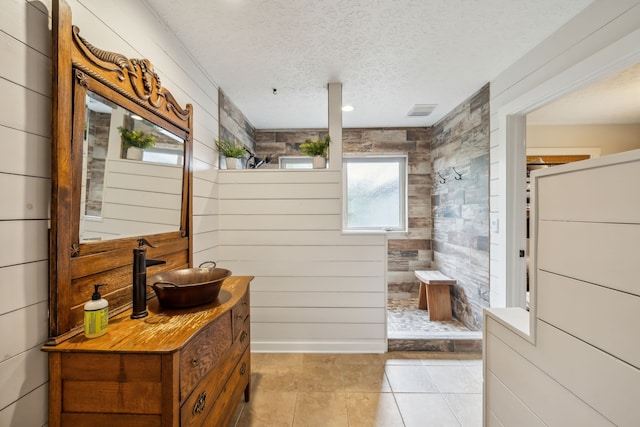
column 388, row 54
column 612, row 100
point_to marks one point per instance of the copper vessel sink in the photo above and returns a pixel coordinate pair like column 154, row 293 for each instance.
column 189, row 287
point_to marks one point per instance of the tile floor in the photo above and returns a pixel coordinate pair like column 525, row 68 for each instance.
column 363, row 390
column 409, row 329
column 405, row 320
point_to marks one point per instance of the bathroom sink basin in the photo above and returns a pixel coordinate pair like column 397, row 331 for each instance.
column 189, row 287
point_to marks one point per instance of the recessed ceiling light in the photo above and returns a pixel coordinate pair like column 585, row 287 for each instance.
column 347, row 108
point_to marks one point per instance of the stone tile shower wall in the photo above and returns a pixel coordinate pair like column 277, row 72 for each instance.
column 286, row 142
column 461, row 207
column 96, row 158
column 233, row 125
column 404, row 254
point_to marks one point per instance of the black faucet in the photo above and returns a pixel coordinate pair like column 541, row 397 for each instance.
column 140, row 264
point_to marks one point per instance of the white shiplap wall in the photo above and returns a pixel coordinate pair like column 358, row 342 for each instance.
column 562, row 62
column 24, row 188
column 315, row 288
column 128, row 27
column 582, row 366
column 138, row 198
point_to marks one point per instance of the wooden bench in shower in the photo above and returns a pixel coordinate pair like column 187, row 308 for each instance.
column 434, row 294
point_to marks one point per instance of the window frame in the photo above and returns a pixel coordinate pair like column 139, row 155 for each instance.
column 402, row 160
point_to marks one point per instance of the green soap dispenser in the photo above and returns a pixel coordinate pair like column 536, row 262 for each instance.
column 96, row 314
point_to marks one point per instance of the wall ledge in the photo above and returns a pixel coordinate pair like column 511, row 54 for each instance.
column 515, row 319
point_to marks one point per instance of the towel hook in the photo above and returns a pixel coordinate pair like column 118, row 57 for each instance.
column 443, row 180
column 459, row 177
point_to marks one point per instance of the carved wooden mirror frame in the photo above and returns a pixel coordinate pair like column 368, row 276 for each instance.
column 75, row 266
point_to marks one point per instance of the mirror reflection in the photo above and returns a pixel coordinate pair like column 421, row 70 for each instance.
column 131, row 176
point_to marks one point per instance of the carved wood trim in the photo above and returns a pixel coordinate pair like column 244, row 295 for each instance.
column 134, row 78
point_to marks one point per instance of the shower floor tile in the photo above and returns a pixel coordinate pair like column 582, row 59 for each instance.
column 406, row 321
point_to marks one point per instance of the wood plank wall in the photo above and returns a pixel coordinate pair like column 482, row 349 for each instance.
column 315, row 289
column 584, row 368
column 25, row 82
column 461, row 206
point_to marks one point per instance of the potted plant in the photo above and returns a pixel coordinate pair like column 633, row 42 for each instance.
column 231, row 151
column 134, row 141
column 317, row 149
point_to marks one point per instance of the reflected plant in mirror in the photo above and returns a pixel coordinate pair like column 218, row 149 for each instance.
column 134, row 141
column 145, row 141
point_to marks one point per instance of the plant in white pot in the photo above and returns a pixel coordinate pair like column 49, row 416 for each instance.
column 134, row 141
column 318, row 149
column 232, row 152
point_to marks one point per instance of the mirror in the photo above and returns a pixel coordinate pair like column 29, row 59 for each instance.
column 131, row 174
column 106, row 195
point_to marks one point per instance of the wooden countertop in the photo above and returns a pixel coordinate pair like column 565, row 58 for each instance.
column 163, row 331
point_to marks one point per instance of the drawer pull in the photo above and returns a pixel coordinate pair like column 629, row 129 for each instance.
column 198, row 408
column 195, row 362
column 243, row 368
column 240, row 316
column 243, row 336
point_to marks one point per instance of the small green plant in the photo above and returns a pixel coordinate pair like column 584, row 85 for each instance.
column 319, row 147
column 229, row 149
column 136, row 138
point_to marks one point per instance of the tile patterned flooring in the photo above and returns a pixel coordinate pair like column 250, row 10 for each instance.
column 363, row 390
column 405, row 320
column 409, row 329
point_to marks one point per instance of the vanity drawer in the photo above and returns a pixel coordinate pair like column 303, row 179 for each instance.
column 110, row 383
column 198, row 409
column 209, row 403
column 203, row 352
column 240, row 315
column 230, row 395
column 242, row 333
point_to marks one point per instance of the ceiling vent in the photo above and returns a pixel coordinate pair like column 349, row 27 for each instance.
column 421, row 110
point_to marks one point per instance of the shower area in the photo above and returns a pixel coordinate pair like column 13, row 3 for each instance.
column 448, row 231
column 447, row 189
column 410, row 329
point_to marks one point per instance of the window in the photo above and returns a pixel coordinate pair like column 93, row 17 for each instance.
column 163, row 155
column 295, row 162
column 375, row 193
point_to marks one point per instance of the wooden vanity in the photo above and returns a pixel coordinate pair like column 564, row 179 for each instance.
column 185, row 367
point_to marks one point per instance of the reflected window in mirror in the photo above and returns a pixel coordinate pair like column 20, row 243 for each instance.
column 144, row 141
